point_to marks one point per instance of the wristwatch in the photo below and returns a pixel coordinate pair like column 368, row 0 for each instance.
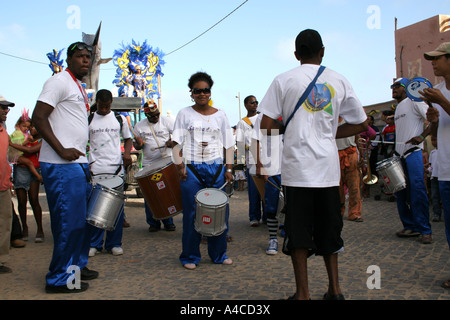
column 229, row 170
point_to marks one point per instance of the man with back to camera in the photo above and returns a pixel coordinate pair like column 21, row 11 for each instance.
column 61, row 117
column 310, row 167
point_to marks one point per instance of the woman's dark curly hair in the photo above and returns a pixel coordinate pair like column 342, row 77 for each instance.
column 200, row 76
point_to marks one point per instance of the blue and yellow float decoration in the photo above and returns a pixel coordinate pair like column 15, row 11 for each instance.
column 138, row 70
column 56, row 63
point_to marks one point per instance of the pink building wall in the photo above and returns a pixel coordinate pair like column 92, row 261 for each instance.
column 413, row 41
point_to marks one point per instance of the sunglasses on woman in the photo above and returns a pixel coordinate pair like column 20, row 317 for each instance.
column 198, row 91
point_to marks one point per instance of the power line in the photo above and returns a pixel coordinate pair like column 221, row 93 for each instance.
column 184, row 45
column 208, row 28
column 10, row 55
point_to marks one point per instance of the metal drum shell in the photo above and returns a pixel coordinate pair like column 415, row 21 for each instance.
column 104, row 207
column 210, row 219
column 391, row 171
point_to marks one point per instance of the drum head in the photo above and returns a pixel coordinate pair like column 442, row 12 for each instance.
column 415, row 85
column 153, row 167
column 211, row 197
column 108, row 180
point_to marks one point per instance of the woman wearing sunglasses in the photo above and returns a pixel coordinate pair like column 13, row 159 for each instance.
column 203, row 137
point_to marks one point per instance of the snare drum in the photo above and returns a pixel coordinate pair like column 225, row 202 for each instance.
column 160, row 186
column 105, row 205
column 109, row 180
column 392, row 173
column 211, row 212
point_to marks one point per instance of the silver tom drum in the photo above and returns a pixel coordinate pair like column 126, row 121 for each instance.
column 391, row 171
column 105, row 202
column 211, row 211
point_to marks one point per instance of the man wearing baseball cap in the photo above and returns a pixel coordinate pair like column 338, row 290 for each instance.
column 439, row 116
column 5, row 192
column 442, row 50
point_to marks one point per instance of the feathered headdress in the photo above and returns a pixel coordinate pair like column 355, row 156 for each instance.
column 25, row 116
column 56, row 63
column 149, row 60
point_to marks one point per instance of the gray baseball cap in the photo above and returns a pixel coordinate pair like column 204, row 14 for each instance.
column 5, row 103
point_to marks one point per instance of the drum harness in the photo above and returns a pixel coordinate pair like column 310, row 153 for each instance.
column 195, row 172
column 403, row 162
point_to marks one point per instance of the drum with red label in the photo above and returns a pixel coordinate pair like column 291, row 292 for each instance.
column 391, row 171
column 160, row 186
column 211, row 211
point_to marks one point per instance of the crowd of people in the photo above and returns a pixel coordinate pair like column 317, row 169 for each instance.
column 309, row 114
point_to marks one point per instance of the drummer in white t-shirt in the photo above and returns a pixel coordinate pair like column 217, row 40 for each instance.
column 244, row 131
column 268, row 154
column 310, row 166
column 106, row 159
column 153, row 136
column 204, row 135
column 412, row 202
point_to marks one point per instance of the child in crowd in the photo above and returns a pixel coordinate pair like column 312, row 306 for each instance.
column 388, row 134
column 22, row 137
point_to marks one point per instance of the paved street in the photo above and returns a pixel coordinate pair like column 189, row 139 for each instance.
column 150, row 269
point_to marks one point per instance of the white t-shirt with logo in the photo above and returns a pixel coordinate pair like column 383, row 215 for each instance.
column 310, row 155
column 409, row 123
column 162, row 130
column 69, row 119
column 105, row 154
column 203, row 137
column 443, row 137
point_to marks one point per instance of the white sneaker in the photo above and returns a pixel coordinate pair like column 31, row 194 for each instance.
column 93, row 252
column 273, row 247
column 254, row 223
column 117, row 251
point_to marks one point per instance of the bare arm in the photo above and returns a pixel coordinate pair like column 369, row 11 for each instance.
column 32, row 149
column 127, row 144
column 347, row 130
column 40, row 117
column 436, row 96
column 229, row 161
column 271, row 126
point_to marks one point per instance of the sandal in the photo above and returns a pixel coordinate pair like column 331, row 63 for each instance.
column 446, row 284
column 190, row 266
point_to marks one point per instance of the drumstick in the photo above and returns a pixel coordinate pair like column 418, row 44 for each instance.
column 388, row 142
column 273, row 184
column 156, row 148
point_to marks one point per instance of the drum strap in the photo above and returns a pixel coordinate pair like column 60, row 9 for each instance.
column 305, row 94
column 278, row 182
column 195, row 172
column 88, row 179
